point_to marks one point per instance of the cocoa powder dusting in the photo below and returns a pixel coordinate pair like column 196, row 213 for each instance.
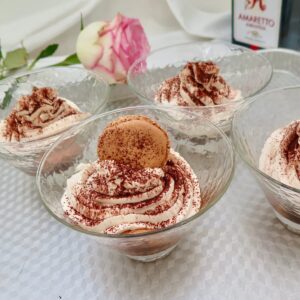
column 36, row 111
column 88, row 198
column 199, row 81
column 290, row 146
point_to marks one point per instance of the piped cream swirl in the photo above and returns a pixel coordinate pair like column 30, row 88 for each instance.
column 280, row 157
column 198, row 84
column 39, row 115
column 109, row 197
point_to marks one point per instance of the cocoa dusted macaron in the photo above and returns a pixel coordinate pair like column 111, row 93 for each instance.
column 134, row 140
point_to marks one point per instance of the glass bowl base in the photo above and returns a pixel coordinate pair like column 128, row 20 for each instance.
column 288, row 224
column 153, row 257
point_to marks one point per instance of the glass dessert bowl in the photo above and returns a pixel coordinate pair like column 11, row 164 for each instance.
column 266, row 137
column 141, row 238
column 38, row 106
column 174, row 76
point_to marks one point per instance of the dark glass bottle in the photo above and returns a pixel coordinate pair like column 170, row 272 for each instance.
column 266, row 23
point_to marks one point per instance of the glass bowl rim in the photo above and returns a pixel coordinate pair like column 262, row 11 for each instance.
column 236, row 137
column 77, row 68
column 120, row 236
column 230, row 46
column 280, row 50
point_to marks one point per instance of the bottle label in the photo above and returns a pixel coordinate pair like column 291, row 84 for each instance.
column 257, row 22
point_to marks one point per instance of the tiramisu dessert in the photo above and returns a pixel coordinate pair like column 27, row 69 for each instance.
column 137, row 184
column 198, row 84
column 280, row 157
column 39, row 115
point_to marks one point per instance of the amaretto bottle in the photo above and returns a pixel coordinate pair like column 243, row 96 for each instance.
column 266, row 23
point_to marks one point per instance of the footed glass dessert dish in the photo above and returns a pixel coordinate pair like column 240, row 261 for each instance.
column 211, row 159
column 37, row 107
column 266, row 136
column 211, row 79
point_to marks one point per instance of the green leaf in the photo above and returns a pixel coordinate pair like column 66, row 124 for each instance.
column 48, row 51
column 15, row 59
column 68, row 61
column 81, row 23
column 1, row 55
column 6, row 100
column 8, row 95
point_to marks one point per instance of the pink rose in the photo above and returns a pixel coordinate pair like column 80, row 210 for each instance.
column 110, row 48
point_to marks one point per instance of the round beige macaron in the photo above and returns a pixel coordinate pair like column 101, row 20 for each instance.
column 134, row 140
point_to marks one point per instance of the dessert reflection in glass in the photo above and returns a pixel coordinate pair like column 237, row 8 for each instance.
column 269, row 144
column 143, row 184
column 37, row 107
column 137, row 184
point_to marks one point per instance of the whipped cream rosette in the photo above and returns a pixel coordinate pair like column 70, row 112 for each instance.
column 198, row 84
column 110, row 48
column 38, row 115
column 280, row 157
column 200, row 88
column 119, row 195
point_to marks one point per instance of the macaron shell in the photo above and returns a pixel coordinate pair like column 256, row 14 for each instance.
column 136, row 141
